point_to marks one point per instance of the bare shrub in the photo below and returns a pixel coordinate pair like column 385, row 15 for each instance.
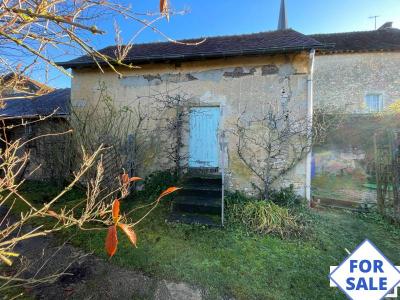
column 97, row 211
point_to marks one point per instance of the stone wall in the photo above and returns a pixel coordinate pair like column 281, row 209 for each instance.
column 234, row 84
column 343, row 166
column 345, row 79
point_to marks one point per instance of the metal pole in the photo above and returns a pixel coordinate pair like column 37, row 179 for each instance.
column 310, row 108
column 223, row 177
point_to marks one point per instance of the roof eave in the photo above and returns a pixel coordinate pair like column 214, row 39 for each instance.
column 200, row 56
column 346, row 51
column 8, row 117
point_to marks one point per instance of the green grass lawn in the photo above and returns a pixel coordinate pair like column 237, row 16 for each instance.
column 246, row 266
column 233, row 262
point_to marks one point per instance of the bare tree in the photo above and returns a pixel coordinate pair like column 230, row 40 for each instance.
column 36, row 33
column 270, row 145
column 125, row 129
column 386, row 141
column 172, row 115
column 33, row 35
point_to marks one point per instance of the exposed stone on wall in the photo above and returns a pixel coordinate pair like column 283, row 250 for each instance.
column 209, row 75
column 154, row 80
column 239, row 72
column 269, row 69
column 134, row 81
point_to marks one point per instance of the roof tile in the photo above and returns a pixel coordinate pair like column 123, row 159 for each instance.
column 281, row 41
column 56, row 102
column 376, row 40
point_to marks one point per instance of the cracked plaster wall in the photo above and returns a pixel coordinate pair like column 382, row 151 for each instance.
column 235, row 84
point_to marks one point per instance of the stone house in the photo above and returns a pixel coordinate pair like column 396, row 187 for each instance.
column 359, row 75
column 223, row 77
column 226, row 76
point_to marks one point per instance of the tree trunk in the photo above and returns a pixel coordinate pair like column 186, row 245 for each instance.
column 380, row 178
column 179, row 144
column 266, row 191
column 395, row 170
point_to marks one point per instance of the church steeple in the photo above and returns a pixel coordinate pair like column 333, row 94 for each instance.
column 282, row 23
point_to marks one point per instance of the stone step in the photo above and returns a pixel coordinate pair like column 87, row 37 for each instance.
column 199, row 199
column 194, row 219
column 203, row 171
column 201, row 191
column 197, row 204
column 212, row 181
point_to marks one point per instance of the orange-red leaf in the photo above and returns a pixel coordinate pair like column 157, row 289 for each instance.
column 164, row 9
column 125, row 178
column 135, row 179
column 115, row 211
column 163, row 6
column 129, row 233
column 111, row 240
column 68, row 18
column 52, row 213
column 168, row 191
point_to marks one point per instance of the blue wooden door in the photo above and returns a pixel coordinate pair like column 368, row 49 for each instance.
column 203, row 141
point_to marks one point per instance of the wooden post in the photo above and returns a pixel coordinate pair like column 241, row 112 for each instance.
column 223, row 147
column 395, row 170
column 378, row 175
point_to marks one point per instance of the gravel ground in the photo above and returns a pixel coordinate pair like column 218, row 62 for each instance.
column 91, row 277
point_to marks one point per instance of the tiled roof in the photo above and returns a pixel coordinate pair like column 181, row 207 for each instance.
column 376, row 40
column 44, row 105
column 282, row 41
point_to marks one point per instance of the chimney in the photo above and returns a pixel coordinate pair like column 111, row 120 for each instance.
column 282, row 23
column 387, row 25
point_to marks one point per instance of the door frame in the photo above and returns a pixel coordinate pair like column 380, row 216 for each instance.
column 218, row 133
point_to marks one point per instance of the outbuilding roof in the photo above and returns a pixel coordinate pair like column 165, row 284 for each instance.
column 281, row 41
column 386, row 39
column 56, row 103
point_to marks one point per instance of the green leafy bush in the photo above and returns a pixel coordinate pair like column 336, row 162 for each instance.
column 157, row 182
column 237, row 197
column 264, row 218
column 287, row 197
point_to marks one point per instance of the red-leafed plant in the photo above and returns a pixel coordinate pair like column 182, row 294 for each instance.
column 121, row 221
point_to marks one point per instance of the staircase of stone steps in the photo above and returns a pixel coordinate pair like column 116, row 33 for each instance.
column 199, row 201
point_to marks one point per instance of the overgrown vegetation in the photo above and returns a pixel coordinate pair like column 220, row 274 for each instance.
column 284, row 214
column 287, row 197
column 370, row 176
column 156, row 182
column 265, row 217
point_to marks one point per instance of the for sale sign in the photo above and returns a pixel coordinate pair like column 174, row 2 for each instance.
column 366, row 274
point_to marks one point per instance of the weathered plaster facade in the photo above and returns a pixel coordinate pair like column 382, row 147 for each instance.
column 234, row 84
